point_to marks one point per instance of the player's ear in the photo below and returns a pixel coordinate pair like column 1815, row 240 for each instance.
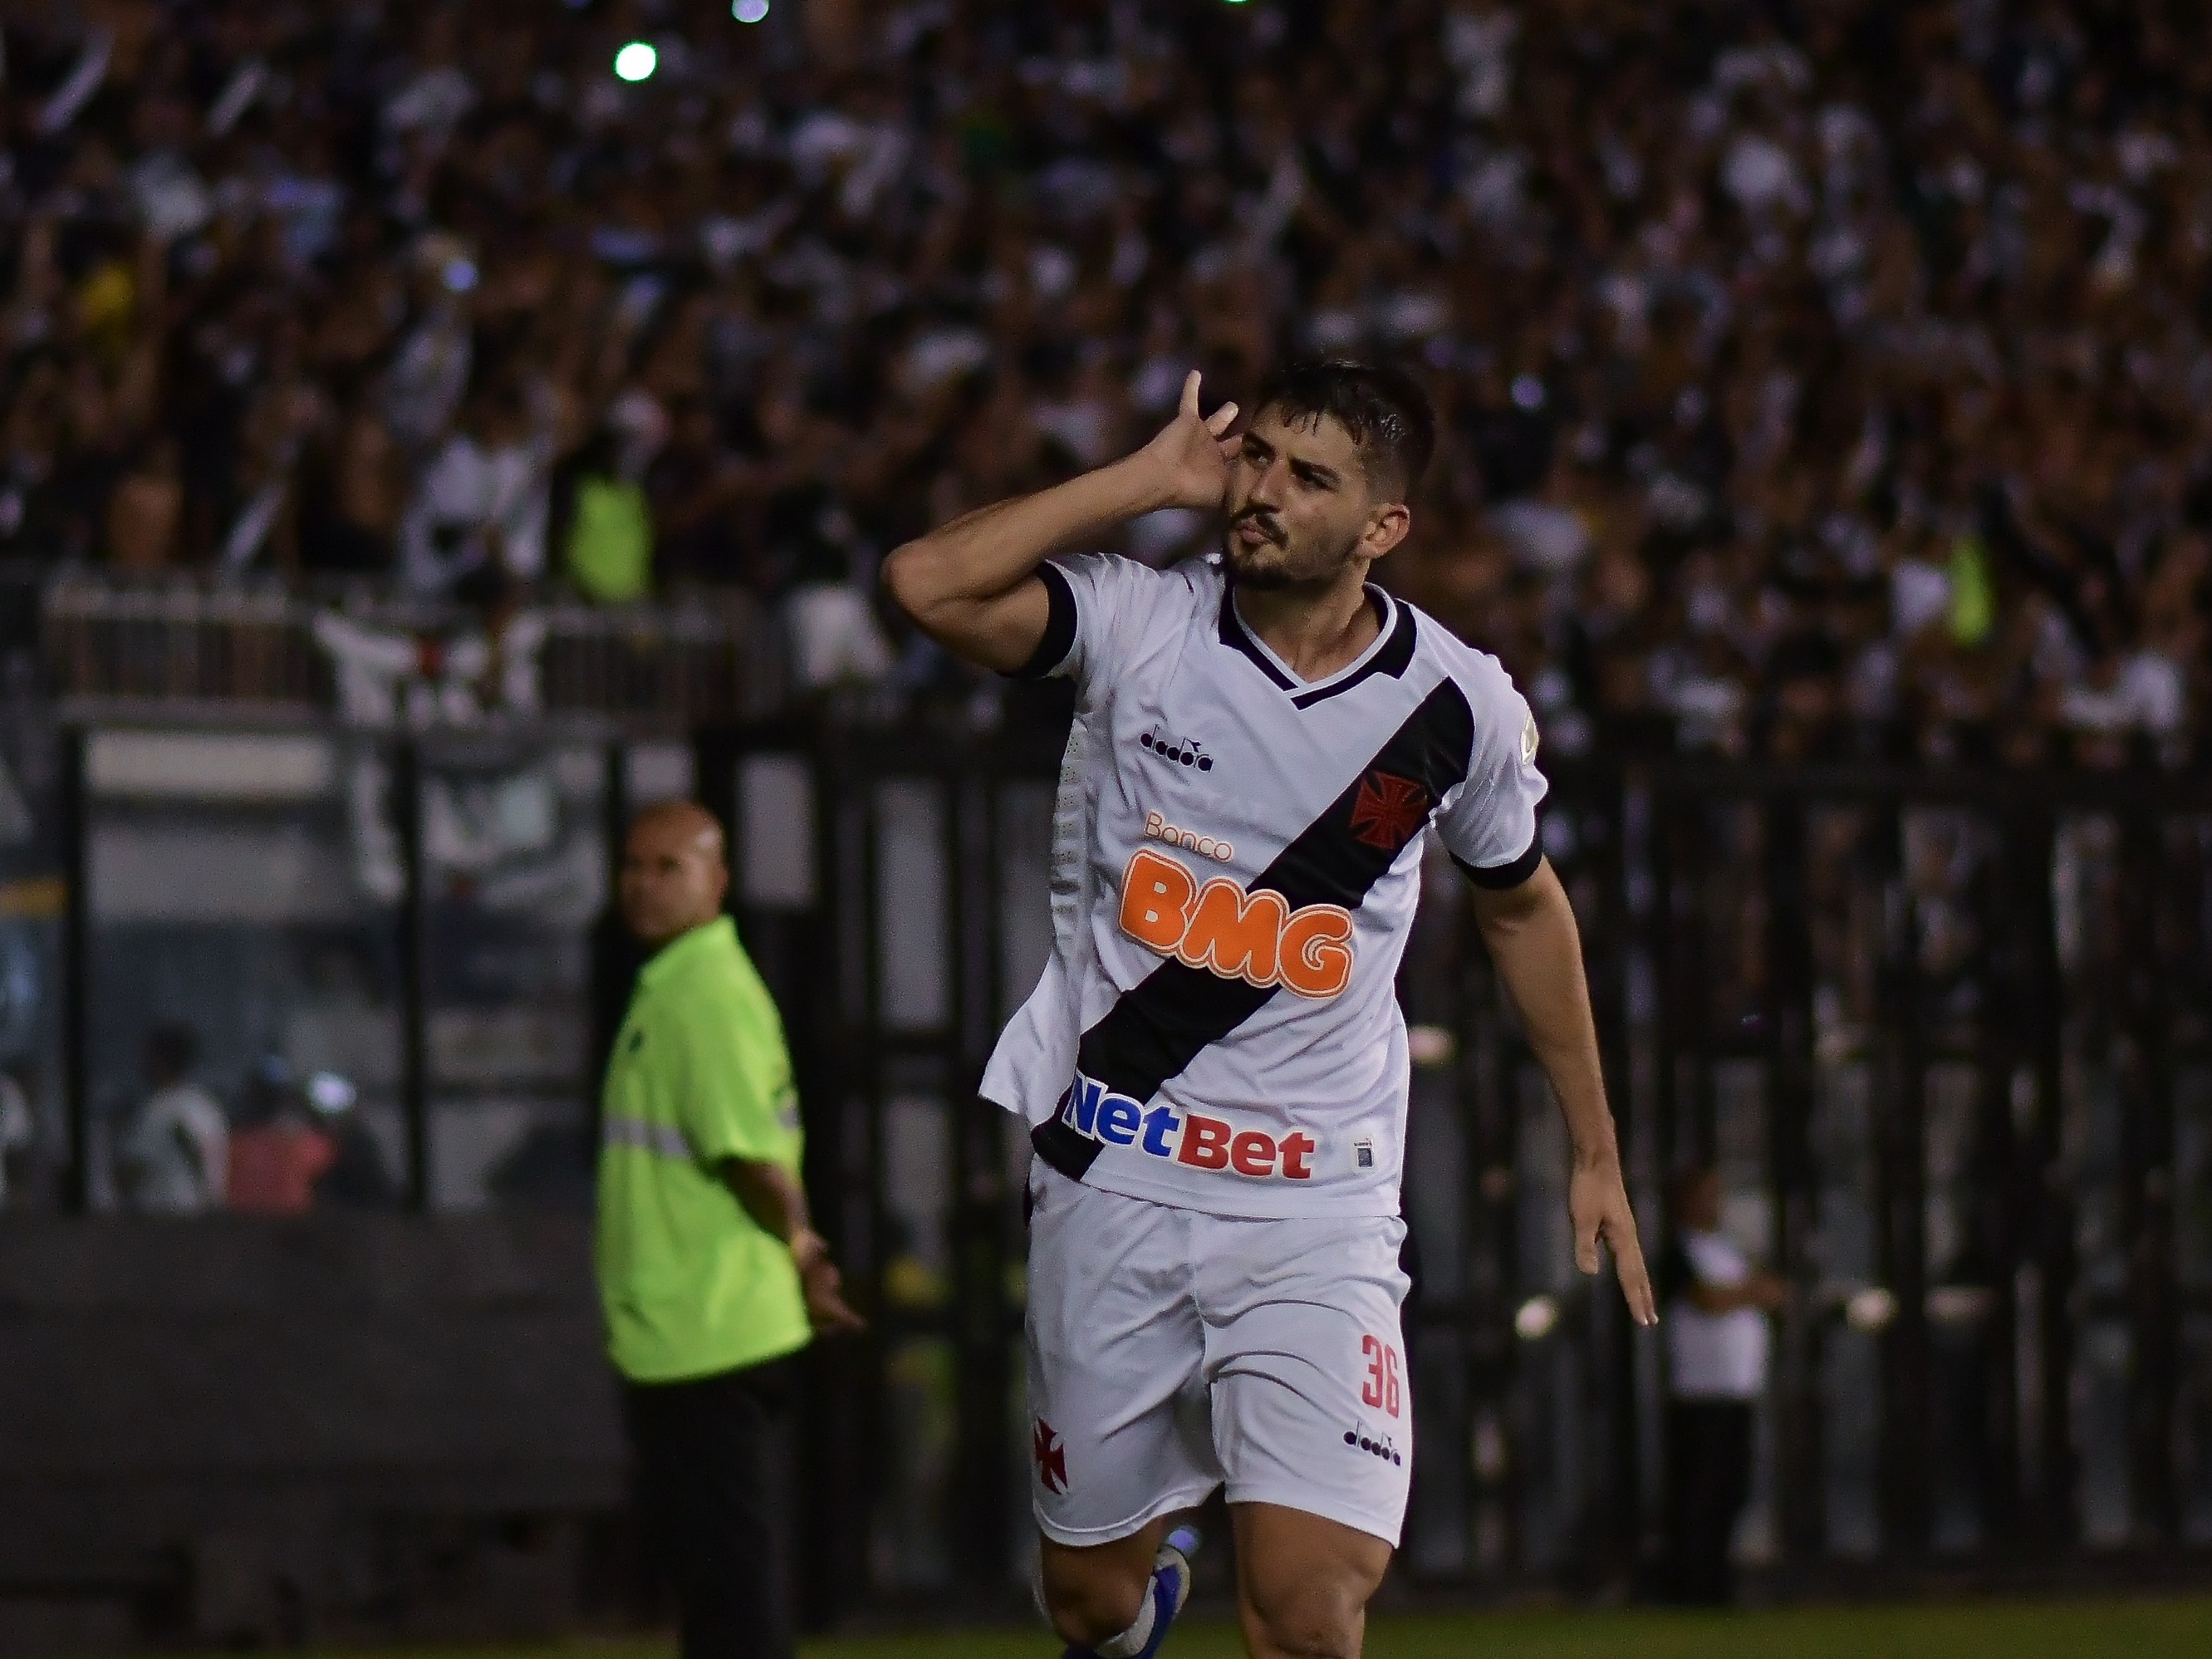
column 1389, row 524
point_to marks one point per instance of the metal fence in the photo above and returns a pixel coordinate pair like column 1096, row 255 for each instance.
column 707, row 659
column 1945, row 1038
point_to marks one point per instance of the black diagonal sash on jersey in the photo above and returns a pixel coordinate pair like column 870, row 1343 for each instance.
column 1162, row 1024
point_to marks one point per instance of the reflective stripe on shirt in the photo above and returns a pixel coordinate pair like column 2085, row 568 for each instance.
column 649, row 1137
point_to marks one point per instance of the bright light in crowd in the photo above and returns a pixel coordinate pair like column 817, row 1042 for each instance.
column 749, row 11
column 636, row 61
column 1536, row 1318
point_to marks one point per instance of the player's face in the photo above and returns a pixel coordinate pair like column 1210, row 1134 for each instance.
column 672, row 879
column 1300, row 505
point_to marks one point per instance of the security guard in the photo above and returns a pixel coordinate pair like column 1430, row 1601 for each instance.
column 710, row 1275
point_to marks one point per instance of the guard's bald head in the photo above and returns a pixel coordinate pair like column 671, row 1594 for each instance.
column 673, row 876
column 679, row 823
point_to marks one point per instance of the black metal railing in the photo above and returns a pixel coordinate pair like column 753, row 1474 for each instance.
column 705, row 659
column 1944, row 1036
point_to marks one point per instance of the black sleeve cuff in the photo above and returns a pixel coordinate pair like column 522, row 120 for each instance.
column 1058, row 626
column 1497, row 878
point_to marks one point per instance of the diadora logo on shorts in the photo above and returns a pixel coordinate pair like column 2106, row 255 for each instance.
column 1191, row 1139
column 1380, row 1446
column 1254, row 937
column 1176, row 751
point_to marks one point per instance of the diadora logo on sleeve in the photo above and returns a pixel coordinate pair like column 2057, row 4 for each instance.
column 1254, row 937
column 1191, row 1139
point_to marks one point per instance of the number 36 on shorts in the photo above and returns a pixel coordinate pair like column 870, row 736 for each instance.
column 1381, row 1391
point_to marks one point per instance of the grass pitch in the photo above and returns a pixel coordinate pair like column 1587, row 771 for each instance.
column 2165, row 1628
column 2146, row 1629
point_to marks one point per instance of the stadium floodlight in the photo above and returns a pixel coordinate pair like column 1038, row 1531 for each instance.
column 636, row 61
column 749, row 11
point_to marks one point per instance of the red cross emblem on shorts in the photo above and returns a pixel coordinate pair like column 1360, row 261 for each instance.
column 1051, row 1455
column 1388, row 810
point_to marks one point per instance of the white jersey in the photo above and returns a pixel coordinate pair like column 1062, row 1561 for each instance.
column 1236, row 858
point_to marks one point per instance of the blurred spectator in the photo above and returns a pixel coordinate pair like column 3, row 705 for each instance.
column 19, row 1134
column 357, row 1174
column 482, row 503
column 145, row 510
column 351, row 514
column 607, row 527
column 1818, row 382
column 278, row 1151
column 1715, row 1310
column 175, row 1160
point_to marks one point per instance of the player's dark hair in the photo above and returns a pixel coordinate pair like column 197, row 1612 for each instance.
column 1383, row 409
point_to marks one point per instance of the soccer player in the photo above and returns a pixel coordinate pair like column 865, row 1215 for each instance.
column 1214, row 1063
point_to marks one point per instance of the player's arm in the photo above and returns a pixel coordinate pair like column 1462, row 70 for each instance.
column 1531, row 934
column 972, row 584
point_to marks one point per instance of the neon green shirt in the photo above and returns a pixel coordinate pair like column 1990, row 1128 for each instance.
column 611, row 541
column 691, row 1284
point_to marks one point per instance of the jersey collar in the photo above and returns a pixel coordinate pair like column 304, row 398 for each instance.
column 707, row 937
column 1390, row 651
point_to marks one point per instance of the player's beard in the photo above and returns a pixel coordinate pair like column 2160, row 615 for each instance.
column 1283, row 562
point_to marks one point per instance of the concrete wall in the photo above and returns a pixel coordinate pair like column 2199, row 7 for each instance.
column 227, row 1431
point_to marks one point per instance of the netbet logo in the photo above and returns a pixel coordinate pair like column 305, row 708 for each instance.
column 1254, row 937
column 1191, row 1139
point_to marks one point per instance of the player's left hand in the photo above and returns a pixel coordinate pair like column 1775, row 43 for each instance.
column 1597, row 1202
column 1189, row 457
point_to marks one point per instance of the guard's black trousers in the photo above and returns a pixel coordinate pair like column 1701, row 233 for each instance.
column 711, row 1496
column 1709, row 1444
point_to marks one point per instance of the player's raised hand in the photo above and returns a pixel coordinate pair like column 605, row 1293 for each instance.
column 1597, row 1202
column 1190, row 454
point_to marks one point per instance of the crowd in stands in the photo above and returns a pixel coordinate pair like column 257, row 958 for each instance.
column 1817, row 379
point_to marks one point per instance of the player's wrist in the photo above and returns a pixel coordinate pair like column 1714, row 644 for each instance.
column 808, row 1248
column 1597, row 1156
column 1138, row 483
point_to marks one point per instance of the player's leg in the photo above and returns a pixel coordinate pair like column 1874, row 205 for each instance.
column 1120, row 1439
column 1116, row 1600
column 1312, row 1419
column 1092, row 1592
column 1304, row 1582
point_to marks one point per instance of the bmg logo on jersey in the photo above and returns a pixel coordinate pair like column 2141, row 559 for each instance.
column 1254, row 937
column 1191, row 1139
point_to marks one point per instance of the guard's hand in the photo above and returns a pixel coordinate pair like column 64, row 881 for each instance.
column 1597, row 1203
column 1189, row 456
column 826, row 1310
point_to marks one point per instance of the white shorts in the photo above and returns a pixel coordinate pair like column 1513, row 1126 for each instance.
column 1171, row 1352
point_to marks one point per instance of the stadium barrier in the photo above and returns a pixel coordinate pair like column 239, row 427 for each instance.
column 1946, row 1037
column 704, row 658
